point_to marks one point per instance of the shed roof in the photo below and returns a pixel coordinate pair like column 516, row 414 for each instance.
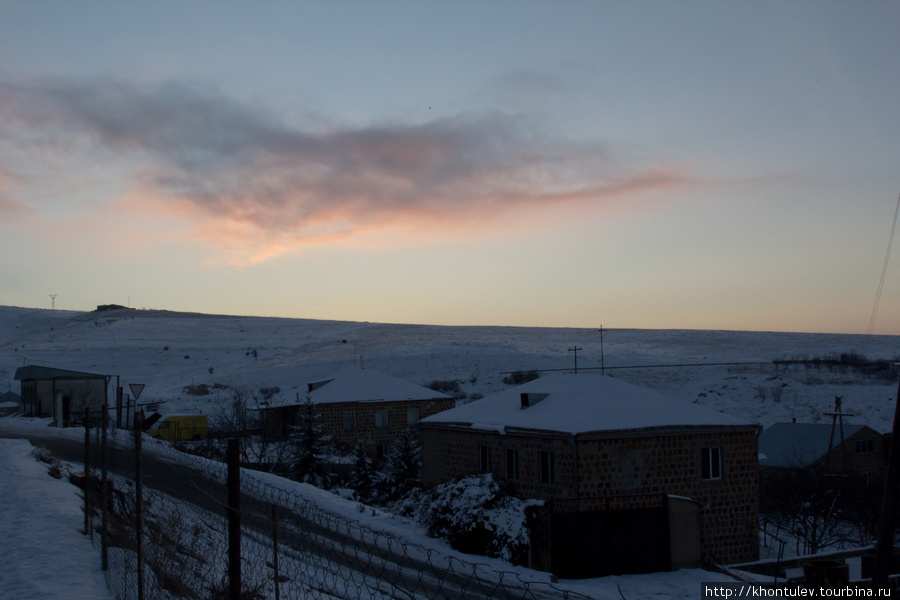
column 353, row 384
column 581, row 403
column 37, row 372
column 799, row 444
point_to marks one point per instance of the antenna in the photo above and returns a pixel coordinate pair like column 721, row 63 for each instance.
column 53, row 301
column 575, row 349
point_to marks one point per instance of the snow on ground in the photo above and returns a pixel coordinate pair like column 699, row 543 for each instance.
column 41, row 522
column 169, row 352
column 45, row 555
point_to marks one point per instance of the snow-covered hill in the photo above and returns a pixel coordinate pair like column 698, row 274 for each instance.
column 169, row 352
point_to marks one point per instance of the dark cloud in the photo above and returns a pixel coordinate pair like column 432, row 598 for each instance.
column 236, row 161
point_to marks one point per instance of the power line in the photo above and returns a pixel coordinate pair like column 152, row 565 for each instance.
column 887, row 256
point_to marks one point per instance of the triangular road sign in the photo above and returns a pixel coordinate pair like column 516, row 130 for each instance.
column 136, row 389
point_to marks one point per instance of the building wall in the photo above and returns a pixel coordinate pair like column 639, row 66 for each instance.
column 591, row 469
column 278, row 421
column 38, row 396
column 868, row 458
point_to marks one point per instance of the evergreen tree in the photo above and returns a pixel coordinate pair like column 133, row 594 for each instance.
column 404, row 462
column 310, row 446
column 363, row 473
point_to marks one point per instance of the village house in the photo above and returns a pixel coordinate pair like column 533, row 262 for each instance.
column 633, row 480
column 61, row 394
column 846, row 449
column 358, row 404
column 10, row 403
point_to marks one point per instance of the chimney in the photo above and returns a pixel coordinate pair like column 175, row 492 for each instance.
column 530, row 399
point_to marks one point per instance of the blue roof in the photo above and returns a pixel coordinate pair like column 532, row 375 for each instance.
column 799, row 444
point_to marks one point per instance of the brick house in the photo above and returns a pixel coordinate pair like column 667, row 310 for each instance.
column 60, row 393
column 633, row 481
column 360, row 404
column 851, row 449
column 849, row 460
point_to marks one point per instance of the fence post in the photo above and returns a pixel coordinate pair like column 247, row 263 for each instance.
column 276, row 575
column 139, row 503
column 104, row 492
column 87, row 473
column 234, row 519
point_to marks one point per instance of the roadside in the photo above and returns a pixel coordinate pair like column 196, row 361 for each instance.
column 41, row 522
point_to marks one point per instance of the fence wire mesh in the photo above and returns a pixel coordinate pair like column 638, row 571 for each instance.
column 166, row 536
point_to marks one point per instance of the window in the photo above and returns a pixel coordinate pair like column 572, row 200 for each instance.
column 484, row 462
column 865, row 446
column 381, row 418
column 546, row 466
column 349, row 420
column 712, row 463
column 412, row 416
column 379, row 452
column 512, row 464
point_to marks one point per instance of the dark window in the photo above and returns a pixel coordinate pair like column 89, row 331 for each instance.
column 512, row 464
column 412, row 416
column 381, row 418
column 484, row 462
column 712, row 463
column 865, row 446
column 547, row 474
column 379, row 452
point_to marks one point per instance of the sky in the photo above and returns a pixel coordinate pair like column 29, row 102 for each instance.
column 650, row 164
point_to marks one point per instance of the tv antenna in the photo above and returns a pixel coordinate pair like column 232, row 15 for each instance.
column 53, row 301
column 575, row 349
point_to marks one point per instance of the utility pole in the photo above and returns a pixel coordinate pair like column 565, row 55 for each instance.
column 575, row 349
column 602, row 361
column 53, row 301
column 884, row 543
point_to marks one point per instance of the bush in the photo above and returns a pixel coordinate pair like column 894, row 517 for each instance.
column 477, row 515
column 520, row 377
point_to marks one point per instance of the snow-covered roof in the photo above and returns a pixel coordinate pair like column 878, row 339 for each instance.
column 581, row 403
column 353, row 384
column 800, row 444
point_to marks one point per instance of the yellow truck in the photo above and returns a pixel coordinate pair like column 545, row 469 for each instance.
column 180, row 428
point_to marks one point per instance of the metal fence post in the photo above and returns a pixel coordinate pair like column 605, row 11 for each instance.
column 234, row 519
column 87, row 473
column 104, row 492
column 139, row 503
column 275, row 576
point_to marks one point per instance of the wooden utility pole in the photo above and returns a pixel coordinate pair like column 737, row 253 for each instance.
column 884, row 544
column 234, row 519
column 575, row 349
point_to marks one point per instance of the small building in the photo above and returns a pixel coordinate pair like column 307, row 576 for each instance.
column 633, row 480
column 360, row 405
column 10, row 403
column 848, row 449
column 61, row 394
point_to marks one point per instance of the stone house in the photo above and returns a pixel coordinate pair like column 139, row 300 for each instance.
column 848, row 449
column 633, row 480
column 360, row 405
column 60, row 393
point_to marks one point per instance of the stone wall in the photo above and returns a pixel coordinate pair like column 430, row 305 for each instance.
column 589, row 470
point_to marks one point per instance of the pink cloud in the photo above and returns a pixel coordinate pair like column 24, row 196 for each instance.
column 253, row 185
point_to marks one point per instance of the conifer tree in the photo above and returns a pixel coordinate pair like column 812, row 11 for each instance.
column 363, row 473
column 310, row 446
column 404, row 462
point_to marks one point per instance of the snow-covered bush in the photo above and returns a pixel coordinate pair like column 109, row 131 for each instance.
column 476, row 514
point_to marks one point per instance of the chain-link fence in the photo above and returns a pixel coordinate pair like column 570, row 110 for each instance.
column 175, row 525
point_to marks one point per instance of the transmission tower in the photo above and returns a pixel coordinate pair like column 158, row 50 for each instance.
column 53, row 301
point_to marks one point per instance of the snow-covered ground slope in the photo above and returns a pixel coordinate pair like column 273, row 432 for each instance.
column 45, row 552
column 169, row 352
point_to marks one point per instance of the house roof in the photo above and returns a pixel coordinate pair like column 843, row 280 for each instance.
column 799, row 444
column 353, row 384
column 581, row 403
column 10, row 396
column 37, row 372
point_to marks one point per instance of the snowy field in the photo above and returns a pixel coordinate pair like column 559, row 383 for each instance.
column 171, row 352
